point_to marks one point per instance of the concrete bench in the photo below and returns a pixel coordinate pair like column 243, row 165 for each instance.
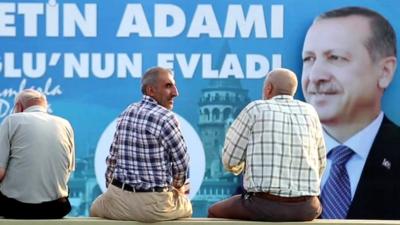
column 190, row 221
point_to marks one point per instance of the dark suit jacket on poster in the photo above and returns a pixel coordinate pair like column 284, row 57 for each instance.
column 378, row 191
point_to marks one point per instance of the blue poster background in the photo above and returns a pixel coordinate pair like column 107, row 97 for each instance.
column 91, row 99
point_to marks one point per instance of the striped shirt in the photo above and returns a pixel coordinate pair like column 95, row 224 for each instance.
column 148, row 149
column 279, row 144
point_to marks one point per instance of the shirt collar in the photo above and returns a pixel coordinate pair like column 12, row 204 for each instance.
column 149, row 100
column 361, row 142
column 277, row 97
column 36, row 108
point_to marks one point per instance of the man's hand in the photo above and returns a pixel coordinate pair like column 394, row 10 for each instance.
column 185, row 189
column 236, row 169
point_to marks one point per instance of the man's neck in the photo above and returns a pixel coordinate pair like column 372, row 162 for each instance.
column 343, row 131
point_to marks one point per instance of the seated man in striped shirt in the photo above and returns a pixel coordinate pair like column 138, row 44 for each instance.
column 278, row 144
column 148, row 161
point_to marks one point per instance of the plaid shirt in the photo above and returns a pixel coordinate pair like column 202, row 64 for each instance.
column 148, row 149
column 279, row 144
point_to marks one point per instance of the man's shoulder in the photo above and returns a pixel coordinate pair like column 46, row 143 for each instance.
column 60, row 119
column 257, row 103
column 272, row 103
column 55, row 119
column 390, row 128
column 387, row 141
column 306, row 105
column 162, row 112
column 34, row 115
column 261, row 105
column 155, row 111
column 42, row 120
column 254, row 106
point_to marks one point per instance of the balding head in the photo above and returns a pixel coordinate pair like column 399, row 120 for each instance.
column 27, row 98
column 150, row 77
column 280, row 82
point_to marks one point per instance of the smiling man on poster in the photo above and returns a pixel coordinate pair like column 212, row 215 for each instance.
column 349, row 59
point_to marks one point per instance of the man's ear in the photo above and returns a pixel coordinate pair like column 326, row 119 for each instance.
column 388, row 68
column 18, row 107
column 268, row 91
column 150, row 90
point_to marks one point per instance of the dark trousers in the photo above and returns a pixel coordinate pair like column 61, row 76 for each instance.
column 14, row 209
column 250, row 207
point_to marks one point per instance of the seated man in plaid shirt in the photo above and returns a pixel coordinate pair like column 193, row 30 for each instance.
column 148, row 161
column 278, row 144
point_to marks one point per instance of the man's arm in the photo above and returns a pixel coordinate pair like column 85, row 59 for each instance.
column 2, row 174
column 111, row 159
column 236, row 141
column 321, row 146
column 5, row 147
column 176, row 145
column 71, row 140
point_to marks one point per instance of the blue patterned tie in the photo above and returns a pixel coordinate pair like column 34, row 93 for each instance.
column 336, row 194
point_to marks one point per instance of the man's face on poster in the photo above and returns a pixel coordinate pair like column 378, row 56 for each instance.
column 339, row 77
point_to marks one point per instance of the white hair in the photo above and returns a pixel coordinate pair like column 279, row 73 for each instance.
column 30, row 97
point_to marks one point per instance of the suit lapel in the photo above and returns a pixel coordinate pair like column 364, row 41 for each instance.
column 380, row 176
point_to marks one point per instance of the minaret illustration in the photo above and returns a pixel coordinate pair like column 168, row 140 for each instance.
column 219, row 104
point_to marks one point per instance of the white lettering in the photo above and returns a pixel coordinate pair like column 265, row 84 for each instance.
column 163, row 12
column 7, row 21
column 257, row 66
column 208, row 71
column 72, row 65
column 9, row 66
column 4, row 108
column 134, row 21
column 29, row 69
column 30, row 12
column 86, row 23
column 204, row 22
column 106, row 65
column 100, row 69
column 102, row 65
column 277, row 12
column 8, row 93
column 52, row 20
column 169, row 20
column 231, row 66
column 255, row 18
column 49, row 90
column 276, row 61
column 132, row 65
column 165, row 60
column 188, row 68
